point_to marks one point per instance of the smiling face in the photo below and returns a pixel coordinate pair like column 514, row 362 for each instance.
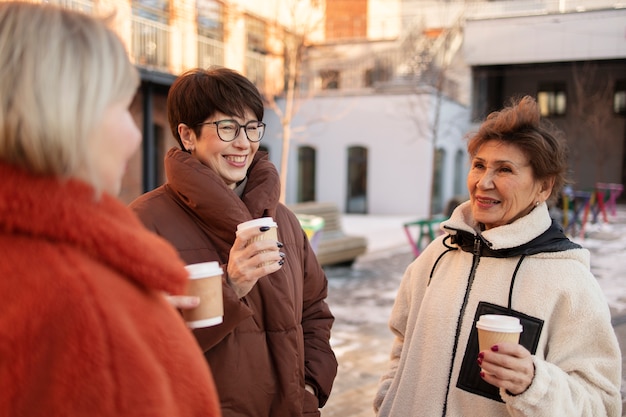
column 502, row 185
column 230, row 160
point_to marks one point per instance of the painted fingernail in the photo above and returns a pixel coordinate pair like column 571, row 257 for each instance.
column 264, row 228
column 280, row 245
column 494, row 348
column 282, row 255
column 482, row 374
column 281, row 262
column 479, row 360
column 481, row 355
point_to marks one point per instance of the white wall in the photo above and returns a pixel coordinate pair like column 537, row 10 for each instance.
column 396, row 130
column 384, row 19
column 546, row 38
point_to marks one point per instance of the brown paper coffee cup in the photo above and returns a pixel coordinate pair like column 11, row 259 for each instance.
column 495, row 328
column 271, row 234
column 486, row 338
column 205, row 282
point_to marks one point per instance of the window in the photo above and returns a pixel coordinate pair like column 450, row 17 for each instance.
column 379, row 73
column 150, row 33
column 436, row 202
column 210, row 19
column 619, row 97
column 255, row 34
column 552, row 100
column 306, row 174
column 357, row 180
column 330, row 79
column 155, row 10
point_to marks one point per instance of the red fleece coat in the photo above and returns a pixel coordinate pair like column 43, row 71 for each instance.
column 84, row 328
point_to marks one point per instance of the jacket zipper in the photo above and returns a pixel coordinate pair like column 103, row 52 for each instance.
column 459, row 326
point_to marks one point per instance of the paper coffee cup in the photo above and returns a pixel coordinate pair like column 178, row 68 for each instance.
column 271, row 234
column 495, row 328
column 205, row 282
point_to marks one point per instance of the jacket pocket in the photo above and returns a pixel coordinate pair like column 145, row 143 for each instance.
column 310, row 404
column 469, row 375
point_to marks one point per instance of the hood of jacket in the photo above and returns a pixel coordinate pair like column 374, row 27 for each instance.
column 204, row 195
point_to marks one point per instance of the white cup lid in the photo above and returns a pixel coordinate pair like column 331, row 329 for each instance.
column 499, row 323
column 203, row 269
column 198, row 324
column 263, row 221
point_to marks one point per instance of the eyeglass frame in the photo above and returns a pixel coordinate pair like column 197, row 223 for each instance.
column 239, row 126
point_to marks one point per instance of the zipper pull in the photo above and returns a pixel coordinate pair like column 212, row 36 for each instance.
column 476, row 245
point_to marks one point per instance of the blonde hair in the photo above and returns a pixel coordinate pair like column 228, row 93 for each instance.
column 59, row 71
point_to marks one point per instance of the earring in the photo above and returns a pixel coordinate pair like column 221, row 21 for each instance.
column 537, row 203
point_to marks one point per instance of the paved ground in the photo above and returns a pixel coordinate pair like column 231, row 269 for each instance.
column 361, row 298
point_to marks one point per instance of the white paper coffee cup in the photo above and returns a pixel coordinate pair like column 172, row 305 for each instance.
column 205, row 282
column 271, row 234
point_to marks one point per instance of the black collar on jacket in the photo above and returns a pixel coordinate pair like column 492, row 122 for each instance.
column 552, row 240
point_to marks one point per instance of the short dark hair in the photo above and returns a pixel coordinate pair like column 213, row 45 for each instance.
column 199, row 93
column 520, row 124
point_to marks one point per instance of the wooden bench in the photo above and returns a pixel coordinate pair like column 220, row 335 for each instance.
column 334, row 246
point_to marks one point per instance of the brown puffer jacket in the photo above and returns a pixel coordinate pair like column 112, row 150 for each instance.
column 277, row 336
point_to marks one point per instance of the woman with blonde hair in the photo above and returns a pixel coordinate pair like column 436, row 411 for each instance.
column 84, row 326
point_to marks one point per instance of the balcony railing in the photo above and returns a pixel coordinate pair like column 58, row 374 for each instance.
column 210, row 52
column 150, row 43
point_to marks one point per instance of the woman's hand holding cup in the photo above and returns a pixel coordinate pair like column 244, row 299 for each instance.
column 254, row 254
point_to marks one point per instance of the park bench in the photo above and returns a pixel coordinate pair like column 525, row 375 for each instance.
column 334, row 246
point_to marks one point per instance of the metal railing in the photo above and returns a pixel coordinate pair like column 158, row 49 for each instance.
column 150, row 43
column 210, row 52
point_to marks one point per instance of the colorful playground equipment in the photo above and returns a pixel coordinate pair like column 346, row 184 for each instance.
column 579, row 206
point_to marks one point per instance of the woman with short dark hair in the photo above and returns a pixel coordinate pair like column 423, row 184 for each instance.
column 271, row 356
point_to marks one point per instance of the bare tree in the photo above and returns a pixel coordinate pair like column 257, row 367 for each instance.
column 592, row 109
column 300, row 18
column 431, row 55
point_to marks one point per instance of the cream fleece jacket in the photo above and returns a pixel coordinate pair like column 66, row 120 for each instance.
column 577, row 362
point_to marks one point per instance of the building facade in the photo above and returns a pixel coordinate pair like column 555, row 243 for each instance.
column 571, row 56
column 382, row 112
column 351, row 53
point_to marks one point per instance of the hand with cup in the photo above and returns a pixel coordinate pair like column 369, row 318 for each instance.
column 216, row 205
column 205, row 282
column 254, row 254
column 504, row 362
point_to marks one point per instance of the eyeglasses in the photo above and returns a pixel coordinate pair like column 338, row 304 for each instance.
column 228, row 130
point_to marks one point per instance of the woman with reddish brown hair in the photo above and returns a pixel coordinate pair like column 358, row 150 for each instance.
column 501, row 253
